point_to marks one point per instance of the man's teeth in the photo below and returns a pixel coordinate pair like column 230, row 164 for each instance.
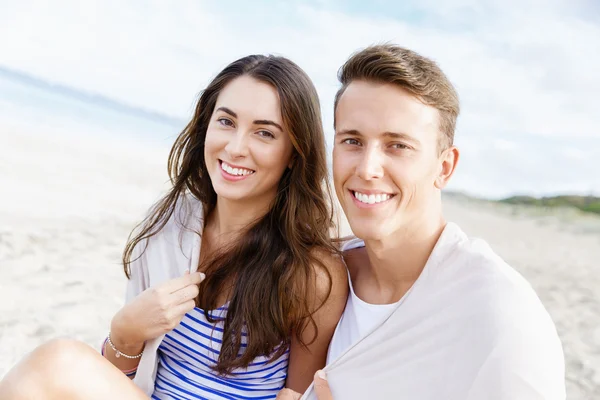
column 235, row 171
column 371, row 198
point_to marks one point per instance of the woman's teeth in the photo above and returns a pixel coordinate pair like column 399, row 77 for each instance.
column 235, row 171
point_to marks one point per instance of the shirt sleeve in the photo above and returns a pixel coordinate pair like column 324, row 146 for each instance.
column 139, row 273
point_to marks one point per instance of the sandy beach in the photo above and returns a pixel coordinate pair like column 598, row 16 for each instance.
column 68, row 205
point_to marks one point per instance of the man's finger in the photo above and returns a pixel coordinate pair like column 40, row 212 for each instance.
column 288, row 394
column 322, row 387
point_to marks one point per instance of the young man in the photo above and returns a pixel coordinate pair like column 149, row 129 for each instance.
column 432, row 314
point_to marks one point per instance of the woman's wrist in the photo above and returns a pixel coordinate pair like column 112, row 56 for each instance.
column 121, row 341
column 130, row 352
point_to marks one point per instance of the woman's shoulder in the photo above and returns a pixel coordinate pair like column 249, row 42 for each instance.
column 187, row 213
column 330, row 274
column 176, row 240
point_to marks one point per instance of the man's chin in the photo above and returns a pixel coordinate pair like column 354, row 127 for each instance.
column 370, row 231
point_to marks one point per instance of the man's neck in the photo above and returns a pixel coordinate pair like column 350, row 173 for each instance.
column 396, row 262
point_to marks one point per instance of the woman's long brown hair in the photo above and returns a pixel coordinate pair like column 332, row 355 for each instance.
column 273, row 265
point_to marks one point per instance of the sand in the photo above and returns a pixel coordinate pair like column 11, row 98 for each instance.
column 68, row 205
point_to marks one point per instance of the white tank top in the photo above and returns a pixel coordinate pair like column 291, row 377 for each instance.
column 359, row 317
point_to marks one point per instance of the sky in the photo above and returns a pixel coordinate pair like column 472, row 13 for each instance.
column 527, row 72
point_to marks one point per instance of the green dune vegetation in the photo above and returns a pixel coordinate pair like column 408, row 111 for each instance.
column 583, row 203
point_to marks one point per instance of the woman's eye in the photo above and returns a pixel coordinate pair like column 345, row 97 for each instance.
column 225, row 122
column 266, row 134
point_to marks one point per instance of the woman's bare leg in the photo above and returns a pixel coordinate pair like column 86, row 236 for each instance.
column 67, row 370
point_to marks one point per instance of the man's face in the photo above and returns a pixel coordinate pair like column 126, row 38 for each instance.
column 385, row 159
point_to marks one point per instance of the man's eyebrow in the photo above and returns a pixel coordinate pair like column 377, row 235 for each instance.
column 268, row 122
column 388, row 134
column 401, row 136
column 352, row 132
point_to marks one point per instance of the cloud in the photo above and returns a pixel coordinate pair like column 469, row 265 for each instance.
column 521, row 67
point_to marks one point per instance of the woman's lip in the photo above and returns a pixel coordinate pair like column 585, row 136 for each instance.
column 235, row 166
column 232, row 178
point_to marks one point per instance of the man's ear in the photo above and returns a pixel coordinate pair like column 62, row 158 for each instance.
column 448, row 161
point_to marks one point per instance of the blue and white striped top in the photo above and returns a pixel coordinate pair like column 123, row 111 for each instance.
column 187, row 354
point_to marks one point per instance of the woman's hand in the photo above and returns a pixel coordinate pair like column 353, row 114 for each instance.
column 154, row 312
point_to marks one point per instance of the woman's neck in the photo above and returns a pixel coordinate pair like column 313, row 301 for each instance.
column 229, row 218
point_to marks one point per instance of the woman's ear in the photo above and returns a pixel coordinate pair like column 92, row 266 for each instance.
column 292, row 161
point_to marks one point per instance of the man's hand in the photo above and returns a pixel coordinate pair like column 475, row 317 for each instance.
column 288, row 394
column 321, row 389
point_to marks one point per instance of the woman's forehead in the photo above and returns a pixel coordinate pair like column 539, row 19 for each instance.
column 252, row 99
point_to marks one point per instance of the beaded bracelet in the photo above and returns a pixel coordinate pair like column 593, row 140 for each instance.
column 129, row 372
column 118, row 353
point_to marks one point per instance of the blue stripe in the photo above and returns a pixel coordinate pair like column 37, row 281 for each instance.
column 192, row 350
column 187, row 357
column 264, row 369
column 213, row 379
column 194, row 395
column 211, row 338
column 236, row 380
column 217, row 352
column 204, row 335
column 205, row 324
column 213, row 350
column 175, row 349
column 166, row 391
column 216, row 392
column 208, row 325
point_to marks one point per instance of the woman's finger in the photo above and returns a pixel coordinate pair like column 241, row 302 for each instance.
column 178, row 283
column 185, row 294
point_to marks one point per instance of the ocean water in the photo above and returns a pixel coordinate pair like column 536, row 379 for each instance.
column 45, row 107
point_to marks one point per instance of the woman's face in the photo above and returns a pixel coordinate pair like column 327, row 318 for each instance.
column 247, row 148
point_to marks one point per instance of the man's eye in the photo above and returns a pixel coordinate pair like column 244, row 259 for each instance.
column 351, row 141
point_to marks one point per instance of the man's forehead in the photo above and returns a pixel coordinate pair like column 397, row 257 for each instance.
column 383, row 109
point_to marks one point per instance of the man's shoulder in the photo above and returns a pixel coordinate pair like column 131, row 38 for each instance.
column 487, row 280
column 480, row 290
column 473, row 256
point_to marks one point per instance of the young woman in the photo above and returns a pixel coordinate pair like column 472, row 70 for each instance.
column 235, row 288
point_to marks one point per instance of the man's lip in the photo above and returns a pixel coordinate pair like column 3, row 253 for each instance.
column 371, row 191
